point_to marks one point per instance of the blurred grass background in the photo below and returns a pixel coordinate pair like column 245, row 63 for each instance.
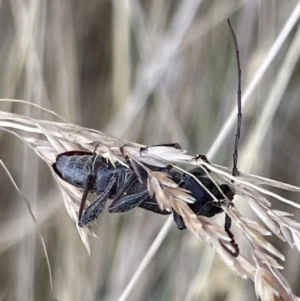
column 150, row 72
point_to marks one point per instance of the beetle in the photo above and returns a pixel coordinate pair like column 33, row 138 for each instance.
column 96, row 174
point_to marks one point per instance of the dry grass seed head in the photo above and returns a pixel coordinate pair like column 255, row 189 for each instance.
column 60, row 137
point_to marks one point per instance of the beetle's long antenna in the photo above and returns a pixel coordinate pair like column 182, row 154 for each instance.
column 239, row 104
column 227, row 225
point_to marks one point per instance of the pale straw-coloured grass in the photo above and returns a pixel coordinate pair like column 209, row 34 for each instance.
column 161, row 71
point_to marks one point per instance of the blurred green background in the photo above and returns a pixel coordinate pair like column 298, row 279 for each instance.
column 149, row 72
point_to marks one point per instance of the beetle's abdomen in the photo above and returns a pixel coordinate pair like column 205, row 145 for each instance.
column 73, row 169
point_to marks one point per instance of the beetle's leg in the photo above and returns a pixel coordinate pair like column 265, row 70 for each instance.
column 123, row 187
column 142, row 200
column 202, row 157
column 152, row 205
column 95, row 209
column 128, row 202
column 131, row 164
column 179, row 221
column 89, row 184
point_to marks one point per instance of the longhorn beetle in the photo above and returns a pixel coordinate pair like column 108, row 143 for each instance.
column 128, row 187
column 95, row 174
